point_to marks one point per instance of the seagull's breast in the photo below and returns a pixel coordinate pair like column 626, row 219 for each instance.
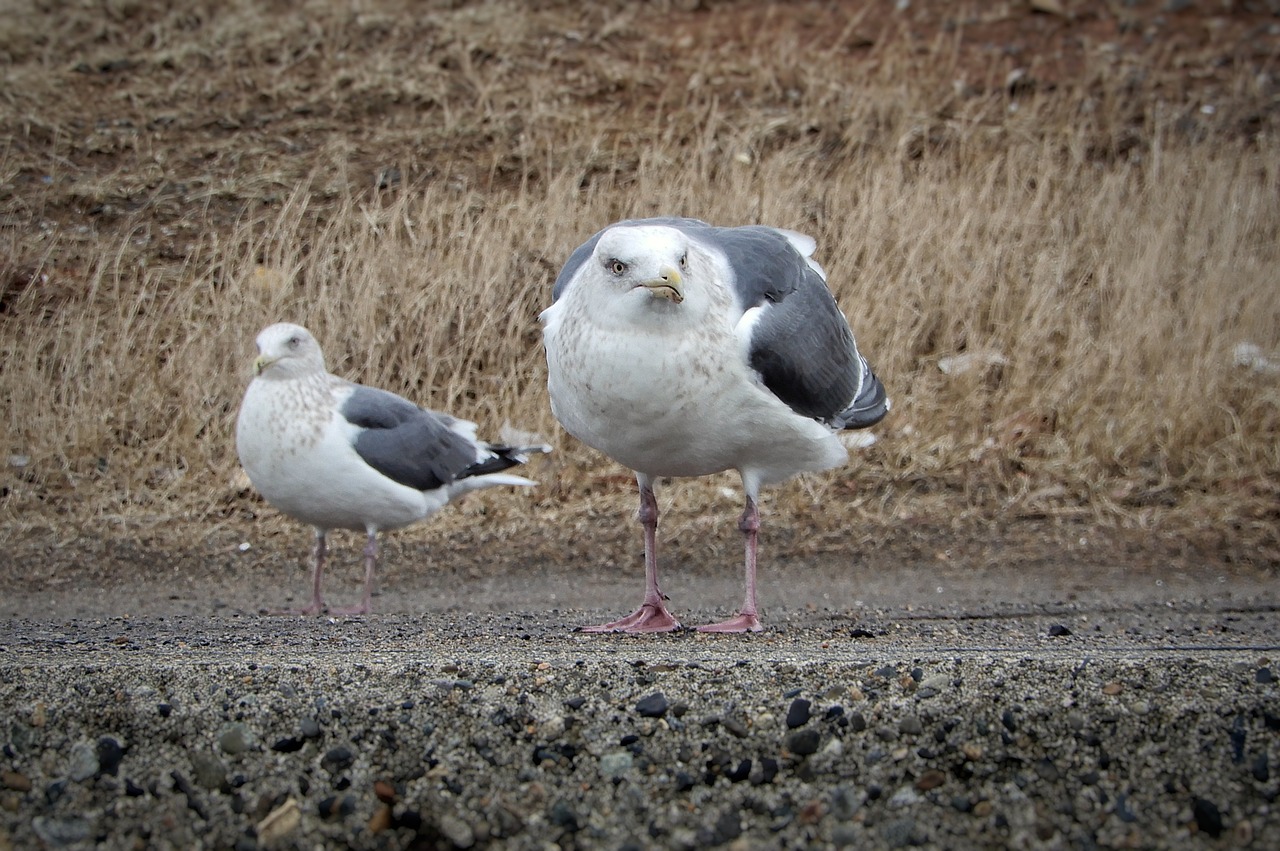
column 671, row 400
column 298, row 452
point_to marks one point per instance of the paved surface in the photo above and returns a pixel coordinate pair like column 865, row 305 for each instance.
column 963, row 709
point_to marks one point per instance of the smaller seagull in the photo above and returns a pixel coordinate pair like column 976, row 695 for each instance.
column 682, row 349
column 339, row 455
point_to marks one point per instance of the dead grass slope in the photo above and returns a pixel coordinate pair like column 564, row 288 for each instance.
column 1051, row 235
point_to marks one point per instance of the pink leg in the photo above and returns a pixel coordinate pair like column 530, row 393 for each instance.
column 746, row 619
column 316, row 606
column 652, row 616
column 370, row 568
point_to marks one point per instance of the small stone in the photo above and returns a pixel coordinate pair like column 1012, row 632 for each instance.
column 236, row 739
column 616, row 764
column 931, row 779
column 15, row 781
column 289, row 744
column 904, row 797
column 798, row 714
column 337, row 759
column 1208, row 817
column 684, row 781
column 910, row 726
column 562, row 815
column 1009, row 721
column 279, row 823
column 803, row 742
column 208, row 770
column 887, row 733
column 110, row 755
column 844, row 803
column 83, row 763
column 309, row 728
column 734, row 726
column 765, row 771
column 457, row 831
column 1264, row 675
column 1112, row 689
column 1260, row 769
column 728, row 827
column 63, row 831
column 335, row 806
column 1057, row 630
column 382, row 819
column 899, row 833
column 653, row 706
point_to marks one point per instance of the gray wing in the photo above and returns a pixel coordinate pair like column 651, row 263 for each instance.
column 800, row 343
column 582, row 253
column 405, row 443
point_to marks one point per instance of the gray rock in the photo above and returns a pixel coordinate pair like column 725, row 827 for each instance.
column 457, row 831
column 799, row 713
column 653, row 706
column 62, row 831
column 208, row 770
column 83, row 763
column 236, row 739
column 803, row 742
column 615, row 764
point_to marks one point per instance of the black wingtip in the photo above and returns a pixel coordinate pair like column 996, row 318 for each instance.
column 869, row 408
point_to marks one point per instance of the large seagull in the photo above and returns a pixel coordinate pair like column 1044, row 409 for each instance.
column 682, row 349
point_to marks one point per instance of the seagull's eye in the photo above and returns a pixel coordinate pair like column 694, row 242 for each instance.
column 294, row 342
column 684, row 261
column 617, row 267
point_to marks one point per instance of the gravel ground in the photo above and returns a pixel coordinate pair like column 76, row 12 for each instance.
column 1146, row 716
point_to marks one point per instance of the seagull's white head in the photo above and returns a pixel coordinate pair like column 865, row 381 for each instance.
column 651, row 261
column 286, row 350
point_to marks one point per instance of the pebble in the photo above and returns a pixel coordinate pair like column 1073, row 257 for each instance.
column 337, row 759
column 931, row 779
column 457, row 831
column 110, row 755
column 208, row 770
column 803, row 742
column 236, row 739
column 83, row 763
column 616, row 764
column 653, row 706
column 15, row 781
column 1208, row 817
column 62, row 831
column 798, row 714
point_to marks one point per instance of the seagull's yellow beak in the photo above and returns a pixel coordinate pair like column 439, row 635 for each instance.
column 261, row 362
column 667, row 285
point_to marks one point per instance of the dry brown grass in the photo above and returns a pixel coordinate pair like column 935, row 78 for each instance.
column 1110, row 239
